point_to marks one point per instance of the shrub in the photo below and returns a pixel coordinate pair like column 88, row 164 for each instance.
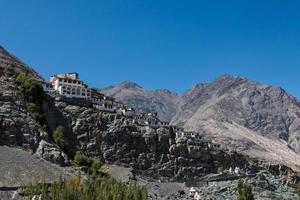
column 93, row 166
column 59, row 137
column 10, row 70
column 244, row 191
column 34, row 110
column 82, row 160
column 94, row 188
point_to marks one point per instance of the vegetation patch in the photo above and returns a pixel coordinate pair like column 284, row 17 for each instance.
column 94, row 188
column 92, row 166
column 10, row 70
column 245, row 191
column 59, row 137
column 34, row 96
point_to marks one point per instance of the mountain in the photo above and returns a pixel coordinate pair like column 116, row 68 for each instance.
column 48, row 136
column 256, row 119
column 132, row 95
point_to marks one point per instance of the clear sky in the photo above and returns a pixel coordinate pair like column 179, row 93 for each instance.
column 170, row 44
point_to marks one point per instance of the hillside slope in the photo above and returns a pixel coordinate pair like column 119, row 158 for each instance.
column 132, row 95
column 7, row 59
column 267, row 111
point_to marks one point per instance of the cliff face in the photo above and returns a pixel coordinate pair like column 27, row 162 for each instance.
column 116, row 139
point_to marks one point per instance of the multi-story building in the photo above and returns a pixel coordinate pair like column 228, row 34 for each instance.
column 102, row 102
column 190, row 135
column 149, row 119
column 69, row 85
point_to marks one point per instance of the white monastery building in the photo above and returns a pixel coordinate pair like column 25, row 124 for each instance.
column 69, row 85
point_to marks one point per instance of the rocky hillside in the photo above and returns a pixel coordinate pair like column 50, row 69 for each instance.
column 153, row 155
column 239, row 113
column 7, row 59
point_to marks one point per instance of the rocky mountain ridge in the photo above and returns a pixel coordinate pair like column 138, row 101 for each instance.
column 7, row 58
column 227, row 110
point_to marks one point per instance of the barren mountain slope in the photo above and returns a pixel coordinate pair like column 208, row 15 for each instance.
column 268, row 111
column 7, row 58
column 132, row 95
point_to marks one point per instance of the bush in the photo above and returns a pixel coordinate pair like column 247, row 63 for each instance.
column 93, row 166
column 244, row 191
column 10, row 70
column 34, row 110
column 59, row 137
column 82, row 160
column 94, row 188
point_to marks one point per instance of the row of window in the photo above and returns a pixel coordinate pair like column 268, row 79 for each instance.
column 71, row 81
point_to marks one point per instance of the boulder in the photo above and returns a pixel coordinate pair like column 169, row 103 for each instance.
column 52, row 153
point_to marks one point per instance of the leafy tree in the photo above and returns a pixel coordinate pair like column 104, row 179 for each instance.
column 244, row 191
column 59, row 137
column 33, row 94
column 31, row 89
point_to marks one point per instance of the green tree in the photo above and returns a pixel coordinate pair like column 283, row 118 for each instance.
column 59, row 137
column 244, row 191
column 33, row 94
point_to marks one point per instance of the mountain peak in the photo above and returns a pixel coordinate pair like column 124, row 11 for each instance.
column 129, row 84
column 229, row 77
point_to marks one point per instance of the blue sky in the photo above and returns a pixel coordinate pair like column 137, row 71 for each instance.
column 157, row 43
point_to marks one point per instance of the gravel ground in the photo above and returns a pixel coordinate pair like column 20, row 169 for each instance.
column 18, row 168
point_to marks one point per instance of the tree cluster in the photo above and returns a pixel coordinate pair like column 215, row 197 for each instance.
column 94, row 188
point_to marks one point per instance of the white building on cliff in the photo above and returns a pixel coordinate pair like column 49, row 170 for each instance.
column 69, row 85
